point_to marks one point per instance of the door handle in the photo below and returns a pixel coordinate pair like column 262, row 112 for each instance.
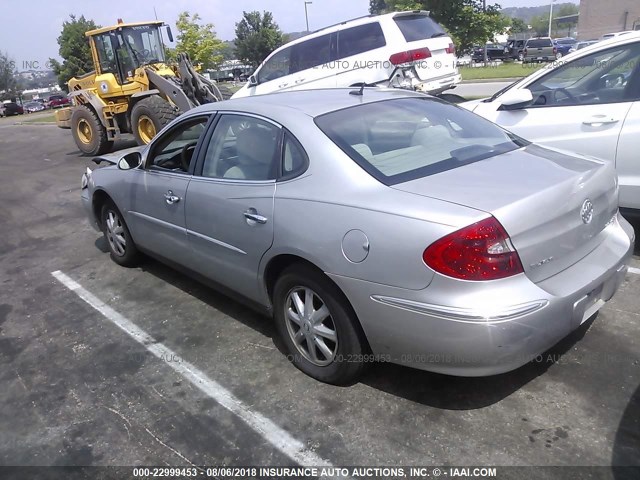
column 170, row 198
column 252, row 216
column 597, row 120
column 282, row 85
column 300, row 80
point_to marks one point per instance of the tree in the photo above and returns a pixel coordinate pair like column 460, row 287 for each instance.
column 540, row 23
column 7, row 68
column 518, row 26
column 257, row 35
column 74, row 50
column 198, row 41
column 467, row 21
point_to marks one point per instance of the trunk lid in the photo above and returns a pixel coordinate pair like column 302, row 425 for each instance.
column 540, row 196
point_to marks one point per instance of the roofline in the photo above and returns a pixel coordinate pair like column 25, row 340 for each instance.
column 121, row 25
column 372, row 15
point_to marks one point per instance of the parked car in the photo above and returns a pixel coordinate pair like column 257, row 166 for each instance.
column 56, row 101
column 564, row 46
column 590, row 103
column 373, row 224
column 495, row 51
column 540, row 49
column 608, row 36
column 515, row 49
column 32, row 107
column 10, row 108
column 408, row 49
column 581, row 45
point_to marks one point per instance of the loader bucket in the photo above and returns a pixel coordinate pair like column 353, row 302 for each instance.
column 63, row 117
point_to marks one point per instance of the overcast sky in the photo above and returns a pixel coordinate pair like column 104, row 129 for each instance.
column 30, row 27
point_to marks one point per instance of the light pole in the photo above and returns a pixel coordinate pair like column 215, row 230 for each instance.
column 551, row 16
column 306, row 15
column 485, row 56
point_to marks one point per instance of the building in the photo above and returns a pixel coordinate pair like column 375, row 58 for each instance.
column 598, row 17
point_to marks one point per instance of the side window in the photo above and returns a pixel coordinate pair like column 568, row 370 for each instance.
column 311, row 53
column 242, row 148
column 609, row 76
column 294, row 160
column 355, row 40
column 105, row 54
column 276, row 67
column 174, row 151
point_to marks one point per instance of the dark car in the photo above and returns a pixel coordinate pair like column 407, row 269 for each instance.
column 515, row 49
column 58, row 101
column 11, row 108
column 495, row 51
column 564, row 46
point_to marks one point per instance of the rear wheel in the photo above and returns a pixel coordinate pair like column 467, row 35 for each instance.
column 88, row 132
column 149, row 116
column 318, row 326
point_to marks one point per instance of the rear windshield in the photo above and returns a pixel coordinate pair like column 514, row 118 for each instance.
column 539, row 43
column 403, row 139
column 418, row 27
column 567, row 41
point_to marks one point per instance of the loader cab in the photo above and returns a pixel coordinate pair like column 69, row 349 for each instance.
column 119, row 52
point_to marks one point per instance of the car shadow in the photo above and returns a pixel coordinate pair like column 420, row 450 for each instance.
column 432, row 389
column 625, row 458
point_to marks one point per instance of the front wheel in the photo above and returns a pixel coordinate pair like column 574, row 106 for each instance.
column 121, row 247
column 318, row 326
column 149, row 116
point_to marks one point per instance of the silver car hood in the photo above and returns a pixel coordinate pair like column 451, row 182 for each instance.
column 538, row 195
column 114, row 158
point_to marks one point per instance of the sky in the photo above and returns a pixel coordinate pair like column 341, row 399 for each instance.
column 30, row 28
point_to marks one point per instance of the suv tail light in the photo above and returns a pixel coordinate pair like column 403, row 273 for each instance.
column 451, row 48
column 524, row 52
column 410, row 56
column 555, row 50
column 482, row 251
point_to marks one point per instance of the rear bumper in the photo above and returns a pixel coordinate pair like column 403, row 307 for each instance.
column 486, row 328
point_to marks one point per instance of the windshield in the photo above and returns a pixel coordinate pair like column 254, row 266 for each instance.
column 403, row 139
column 143, row 44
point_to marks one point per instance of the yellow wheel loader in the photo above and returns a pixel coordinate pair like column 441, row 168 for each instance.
column 132, row 89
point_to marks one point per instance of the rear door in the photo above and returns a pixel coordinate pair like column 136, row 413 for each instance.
column 229, row 210
column 312, row 63
column 627, row 161
column 361, row 55
column 580, row 106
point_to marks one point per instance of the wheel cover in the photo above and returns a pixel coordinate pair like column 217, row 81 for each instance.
column 115, row 234
column 146, row 128
column 84, row 131
column 311, row 326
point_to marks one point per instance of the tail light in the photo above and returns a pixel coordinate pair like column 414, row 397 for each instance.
column 524, row 52
column 451, row 48
column 555, row 50
column 482, row 251
column 410, row 56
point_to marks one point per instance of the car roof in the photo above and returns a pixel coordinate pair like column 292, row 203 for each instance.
column 312, row 103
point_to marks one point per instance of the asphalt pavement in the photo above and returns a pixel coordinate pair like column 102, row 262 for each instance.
column 104, row 365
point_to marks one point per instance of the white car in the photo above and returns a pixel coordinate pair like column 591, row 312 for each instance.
column 408, row 49
column 587, row 103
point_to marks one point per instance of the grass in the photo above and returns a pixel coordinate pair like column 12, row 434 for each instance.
column 35, row 118
column 500, row 70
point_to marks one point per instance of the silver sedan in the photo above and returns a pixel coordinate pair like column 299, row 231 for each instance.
column 373, row 226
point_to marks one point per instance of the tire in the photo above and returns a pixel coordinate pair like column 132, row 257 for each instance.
column 149, row 116
column 88, row 132
column 521, row 57
column 343, row 363
column 558, row 55
column 122, row 249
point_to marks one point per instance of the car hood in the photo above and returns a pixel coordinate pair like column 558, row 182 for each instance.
column 114, row 158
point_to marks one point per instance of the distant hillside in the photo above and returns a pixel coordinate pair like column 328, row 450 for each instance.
column 526, row 14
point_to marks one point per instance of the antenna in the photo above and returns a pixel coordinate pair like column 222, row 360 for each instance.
column 360, row 92
column 155, row 13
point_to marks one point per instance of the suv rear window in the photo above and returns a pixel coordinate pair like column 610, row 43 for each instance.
column 363, row 38
column 418, row 27
column 403, row 139
column 540, row 42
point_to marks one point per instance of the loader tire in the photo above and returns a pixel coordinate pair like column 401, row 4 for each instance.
column 88, row 132
column 149, row 116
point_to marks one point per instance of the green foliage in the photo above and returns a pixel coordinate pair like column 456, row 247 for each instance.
column 257, row 35
column 7, row 67
column 518, row 26
column 540, row 23
column 74, row 50
column 198, row 41
column 466, row 20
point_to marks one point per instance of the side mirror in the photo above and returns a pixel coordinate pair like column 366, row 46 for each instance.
column 169, row 34
column 253, row 81
column 515, row 98
column 132, row 160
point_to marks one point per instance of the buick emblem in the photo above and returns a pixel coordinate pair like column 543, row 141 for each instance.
column 586, row 212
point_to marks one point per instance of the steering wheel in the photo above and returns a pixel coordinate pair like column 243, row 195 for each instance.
column 566, row 92
column 186, row 155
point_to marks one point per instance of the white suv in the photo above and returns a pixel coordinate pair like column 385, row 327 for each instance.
column 404, row 49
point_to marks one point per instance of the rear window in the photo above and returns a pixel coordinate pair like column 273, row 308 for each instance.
column 418, row 27
column 539, row 43
column 568, row 41
column 363, row 38
column 403, row 139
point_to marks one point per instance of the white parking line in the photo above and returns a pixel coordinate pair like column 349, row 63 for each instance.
column 271, row 432
column 634, row 270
